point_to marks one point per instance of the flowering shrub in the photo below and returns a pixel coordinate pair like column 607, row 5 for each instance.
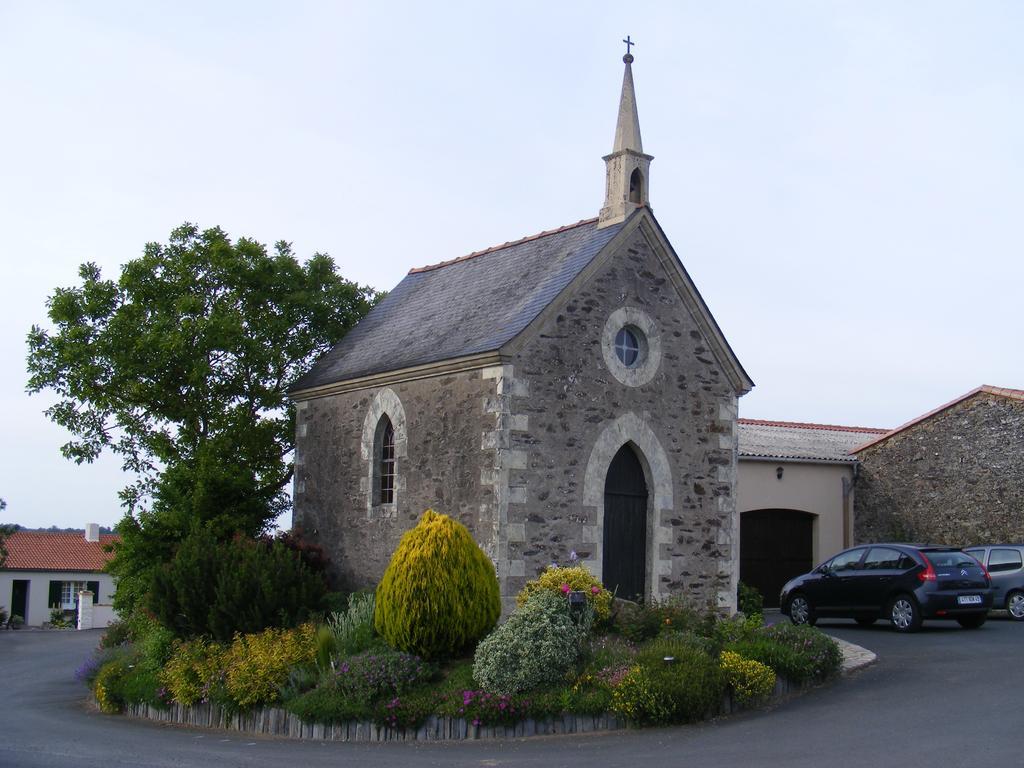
column 655, row 692
column 561, row 580
column 751, row 681
column 366, row 676
column 107, row 685
column 88, row 669
column 256, row 666
column 800, row 654
column 538, row 645
column 193, row 670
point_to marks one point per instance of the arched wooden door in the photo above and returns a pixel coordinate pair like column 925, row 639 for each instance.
column 624, row 564
column 775, row 546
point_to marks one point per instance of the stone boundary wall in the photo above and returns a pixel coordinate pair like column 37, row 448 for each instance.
column 274, row 721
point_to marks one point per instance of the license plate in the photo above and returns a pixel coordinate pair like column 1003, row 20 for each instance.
column 969, row 600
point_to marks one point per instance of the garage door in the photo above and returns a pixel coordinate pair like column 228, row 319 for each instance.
column 775, row 546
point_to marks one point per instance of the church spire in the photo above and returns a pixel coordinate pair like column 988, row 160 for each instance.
column 626, row 168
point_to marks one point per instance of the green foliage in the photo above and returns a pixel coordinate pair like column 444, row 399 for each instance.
column 644, row 622
column 751, row 681
column 352, row 630
column 327, row 704
column 538, row 645
column 750, row 600
column 179, row 367
column 58, row 620
column 389, row 687
column 800, row 654
column 659, row 693
column 256, row 666
column 107, row 685
column 222, row 588
column 118, row 633
column 576, row 578
column 367, row 676
column 194, row 670
column 439, row 594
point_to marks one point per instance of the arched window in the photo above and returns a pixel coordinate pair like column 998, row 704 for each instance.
column 385, row 458
column 636, row 187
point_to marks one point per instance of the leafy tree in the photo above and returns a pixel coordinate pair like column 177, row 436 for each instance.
column 180, row 367
column 6, row 529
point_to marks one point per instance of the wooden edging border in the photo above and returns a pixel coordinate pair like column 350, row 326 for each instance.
column 274, row 721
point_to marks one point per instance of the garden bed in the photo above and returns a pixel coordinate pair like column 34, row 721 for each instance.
column 274, row 721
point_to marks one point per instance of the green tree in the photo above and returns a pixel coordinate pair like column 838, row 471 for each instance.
column 180, row 367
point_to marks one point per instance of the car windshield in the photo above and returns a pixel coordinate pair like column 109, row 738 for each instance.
column 951, row 559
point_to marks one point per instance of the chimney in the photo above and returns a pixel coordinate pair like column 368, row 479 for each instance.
column 92, row 532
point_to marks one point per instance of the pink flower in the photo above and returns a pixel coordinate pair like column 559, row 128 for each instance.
column 566, row 589
column 594, row 590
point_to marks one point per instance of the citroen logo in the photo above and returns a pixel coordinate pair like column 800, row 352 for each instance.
column 963, row 571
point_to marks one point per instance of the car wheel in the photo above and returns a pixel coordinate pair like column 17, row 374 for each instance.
column 1015, row 605
column 800, row 611
column 973, row 621
column 865, row 621
column 904, row 614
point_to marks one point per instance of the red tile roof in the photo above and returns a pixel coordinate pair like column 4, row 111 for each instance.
column 494, row 248
column 1013, row 394
column 53, row 551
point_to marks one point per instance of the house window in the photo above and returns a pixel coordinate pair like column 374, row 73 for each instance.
column 69, row 594
column 386, row 458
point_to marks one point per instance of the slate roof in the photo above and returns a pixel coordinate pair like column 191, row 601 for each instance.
column 808, row 442
column 467, row 306
column 53, row 551
column 1010, row 394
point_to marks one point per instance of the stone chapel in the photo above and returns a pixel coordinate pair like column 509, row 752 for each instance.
column 566, row 392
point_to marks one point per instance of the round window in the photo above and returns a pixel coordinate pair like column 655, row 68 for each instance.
column 631, row 346
column 627, row 347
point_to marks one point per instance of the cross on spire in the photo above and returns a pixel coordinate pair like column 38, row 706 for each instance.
column 629, row 43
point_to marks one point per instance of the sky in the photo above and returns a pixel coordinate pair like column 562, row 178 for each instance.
column 844, row 181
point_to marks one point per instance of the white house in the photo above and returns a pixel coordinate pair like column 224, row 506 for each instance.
column 47, row 569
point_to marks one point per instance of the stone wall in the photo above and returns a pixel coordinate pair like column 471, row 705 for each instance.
column 955, row 478
column 439, row 434
column 572, row 412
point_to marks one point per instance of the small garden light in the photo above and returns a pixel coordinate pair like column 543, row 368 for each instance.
column 669, row 659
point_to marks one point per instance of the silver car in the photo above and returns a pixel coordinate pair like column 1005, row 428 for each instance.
column 1005, row 563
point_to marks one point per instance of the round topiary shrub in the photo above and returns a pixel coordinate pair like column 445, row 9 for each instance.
column 439, row 594
column 538, row 644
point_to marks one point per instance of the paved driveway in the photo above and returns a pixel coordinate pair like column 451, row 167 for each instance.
column 945, row 697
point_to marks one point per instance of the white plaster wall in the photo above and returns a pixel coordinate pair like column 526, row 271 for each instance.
column 815, row 488
column 39, row 590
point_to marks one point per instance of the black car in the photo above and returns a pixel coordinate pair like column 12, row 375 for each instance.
column 903, row 583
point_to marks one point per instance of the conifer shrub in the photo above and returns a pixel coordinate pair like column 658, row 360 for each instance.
column 561, row 580
column 217, row 589
column 439, row 594
column 538, row 645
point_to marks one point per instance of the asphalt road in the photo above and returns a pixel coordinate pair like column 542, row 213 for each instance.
column 945, row 697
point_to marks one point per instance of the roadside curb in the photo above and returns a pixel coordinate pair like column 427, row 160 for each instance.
column 855, row 657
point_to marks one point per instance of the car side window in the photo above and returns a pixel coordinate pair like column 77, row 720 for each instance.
column 977, row 554
column 846, row 561
column 1004, row 560
column 882, row 558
